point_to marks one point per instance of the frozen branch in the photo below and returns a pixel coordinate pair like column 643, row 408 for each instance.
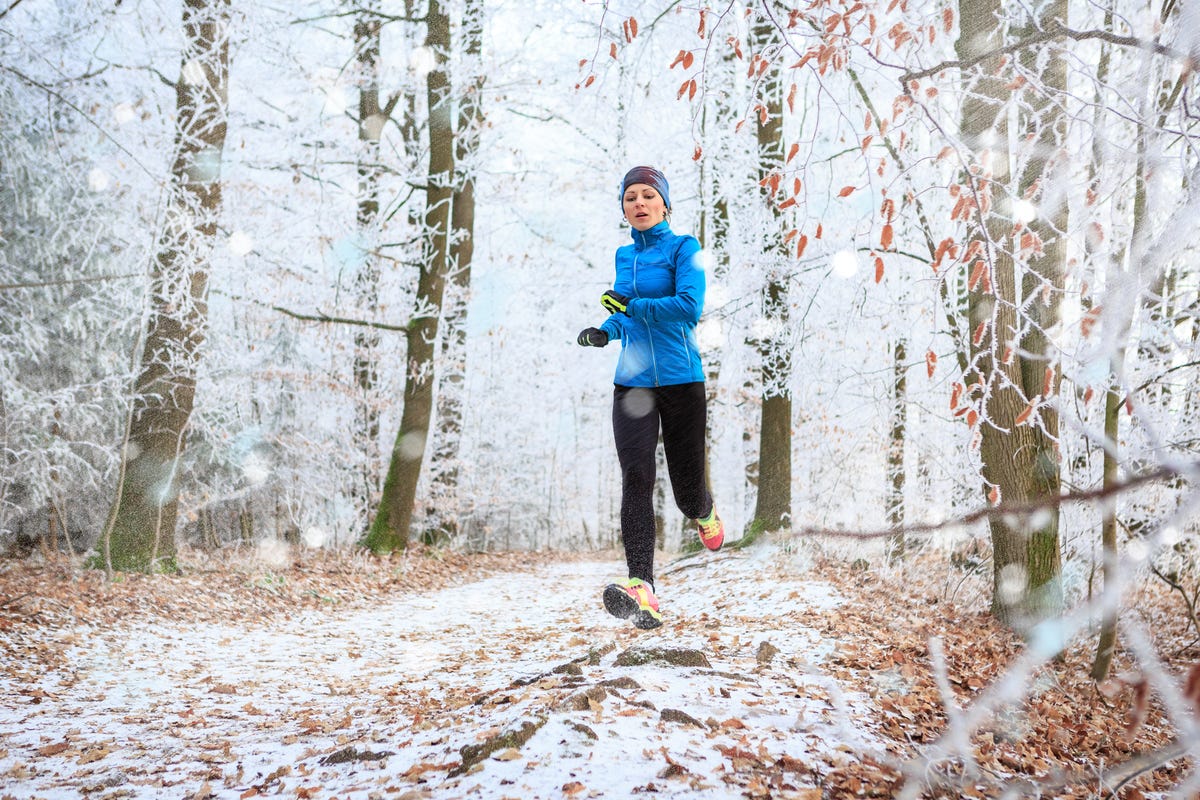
column 1051, row 32
column 68, row 281
column 1008, row 510
column 320, row 316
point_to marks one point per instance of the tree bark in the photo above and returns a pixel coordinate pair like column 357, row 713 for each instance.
column 391, row 528
column 445, row 467
column 1019, row 461
column 895, row 455
column 140, row 534
column 773, row 507
column 371, row 119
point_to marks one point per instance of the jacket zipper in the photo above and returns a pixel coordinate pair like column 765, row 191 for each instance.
column 649, row 334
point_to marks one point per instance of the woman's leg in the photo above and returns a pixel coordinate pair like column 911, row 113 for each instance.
column 684, row 414
column 635, row 429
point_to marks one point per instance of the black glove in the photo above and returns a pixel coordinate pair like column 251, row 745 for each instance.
column 592, row 337
column 614, row 302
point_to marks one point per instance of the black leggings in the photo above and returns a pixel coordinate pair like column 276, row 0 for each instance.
column 637, row 415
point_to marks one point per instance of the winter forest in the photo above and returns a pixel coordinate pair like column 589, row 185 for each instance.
column 309, row 275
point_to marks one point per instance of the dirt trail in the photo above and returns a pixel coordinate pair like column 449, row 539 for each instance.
column 513, row 686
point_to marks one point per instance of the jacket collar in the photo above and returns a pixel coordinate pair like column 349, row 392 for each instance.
column 650, row 236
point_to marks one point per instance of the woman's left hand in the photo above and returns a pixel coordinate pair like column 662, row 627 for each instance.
column 614, row 302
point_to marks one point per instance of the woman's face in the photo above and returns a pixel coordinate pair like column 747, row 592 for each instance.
column 644, row 207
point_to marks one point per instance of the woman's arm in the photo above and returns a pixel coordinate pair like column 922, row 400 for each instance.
column 688, row 301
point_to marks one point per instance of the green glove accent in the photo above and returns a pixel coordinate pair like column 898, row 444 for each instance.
column 592, row 337
column 614, row 302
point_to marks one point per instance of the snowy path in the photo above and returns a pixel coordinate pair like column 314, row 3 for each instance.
column 380, row 702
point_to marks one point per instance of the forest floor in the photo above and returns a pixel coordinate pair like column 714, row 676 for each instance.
column 780, row 673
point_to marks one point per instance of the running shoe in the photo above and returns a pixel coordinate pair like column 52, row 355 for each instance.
column 633, row 599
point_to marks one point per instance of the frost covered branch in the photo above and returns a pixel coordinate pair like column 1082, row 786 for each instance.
column 1051, row 32
column 1013, row 510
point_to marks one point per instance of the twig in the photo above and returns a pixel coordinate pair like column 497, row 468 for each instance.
column 68, row 281
column 1052, row 31
column 1008, row 510
column 10, row 601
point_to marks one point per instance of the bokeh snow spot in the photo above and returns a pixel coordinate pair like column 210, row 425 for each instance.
column 844, row 263
column 255, row 469
column 1011, row 586
column 422, row 61
column 273, row 553
column 314, row 537
column 1136, row 550
column 710, row 334
column 240, row 243
column 123, row 112
column 412, row 446
column 193, row 73
column 1024, row 211
column 205, row 166
column 98, row 179
column 335, row 101
column 638, row 402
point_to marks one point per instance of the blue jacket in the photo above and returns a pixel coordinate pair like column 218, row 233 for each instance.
column 663, row 276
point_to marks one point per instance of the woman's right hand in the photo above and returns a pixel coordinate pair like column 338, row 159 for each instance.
column 592, row 337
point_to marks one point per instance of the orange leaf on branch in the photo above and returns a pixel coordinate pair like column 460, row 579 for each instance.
column 878, row 269
column 1024, row 415
column 930, row 362
column 885, row 237
column 955, row 395
column 1048, row 381
column 1089, row 320
column 846, row 191
column 980, row 330
column 795, row 148
column 801, row 243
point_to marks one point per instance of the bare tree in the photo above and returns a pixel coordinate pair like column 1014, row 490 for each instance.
column 445, row 496
column 390, row 529
column 773, row 508
column 140, row 534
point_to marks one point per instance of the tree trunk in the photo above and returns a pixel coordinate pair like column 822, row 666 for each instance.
column 1114, row 397
column 371, row 119
column 1019, row 461
column 895, row 455
column 445, row 466
column 140, row 534
column 390, row 529
column 773, row 508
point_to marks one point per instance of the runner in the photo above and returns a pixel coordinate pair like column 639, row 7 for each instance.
column 655, row 303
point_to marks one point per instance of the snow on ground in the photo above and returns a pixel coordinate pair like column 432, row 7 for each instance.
column 381, row 702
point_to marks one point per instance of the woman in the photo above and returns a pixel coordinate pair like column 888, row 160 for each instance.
column 654, row 305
